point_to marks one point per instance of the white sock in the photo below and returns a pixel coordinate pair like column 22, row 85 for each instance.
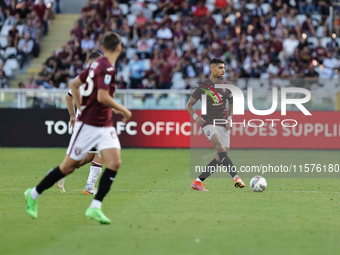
column 34, row 193
column 96, row 204
column 198, row 179
column 236, row 176
column 93, row 175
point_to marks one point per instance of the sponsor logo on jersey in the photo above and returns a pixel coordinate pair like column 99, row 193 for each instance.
column 214, row 97
column 110, row 69
column 107, row 79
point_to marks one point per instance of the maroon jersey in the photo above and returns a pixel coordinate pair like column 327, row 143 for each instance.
column 100, row 75
column 214, row 110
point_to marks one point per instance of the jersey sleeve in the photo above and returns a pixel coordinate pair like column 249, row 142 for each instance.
column 197, row 93
column 83, row 75
column 104, row 79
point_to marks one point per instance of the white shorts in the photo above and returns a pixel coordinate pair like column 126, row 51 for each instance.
column 85, row 137
column 210, row 130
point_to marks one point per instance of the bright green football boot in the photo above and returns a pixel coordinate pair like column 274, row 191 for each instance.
column 31, row 205
column 97, row 215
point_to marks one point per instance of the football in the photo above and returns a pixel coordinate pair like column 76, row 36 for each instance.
column 258, row 183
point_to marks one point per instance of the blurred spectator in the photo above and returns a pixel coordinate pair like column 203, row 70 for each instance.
column 136, row 67
column 143, row 48
column 121, row 84
column 77, row 30
column 206, row 67
column 153, row 73
column 150, row 84
column 166, row 72
column 21, row 85
column 307, row 27
column 102, row 9
column 42, row 12
column 3, row 79
column 311, row 75
column 185, row 10
column 87, row 43
column 188, row 69
column 292, row 20
column 114, row 10
column 164, row 32
column 173, row 59
column 33, row 31
column 330, row 63
column 200, row 9
column 305, row 55
column 36, row 21
column 289, row 46
column 31, row 83
column 306, row 6
column 25, row 48
column 257, row 11
column 141, row 20
column 45, row 78
column 13, row 36
column 220, row 4
column 22, row 11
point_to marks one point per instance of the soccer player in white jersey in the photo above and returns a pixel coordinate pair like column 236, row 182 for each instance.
column 92, row 156
column 94, row 128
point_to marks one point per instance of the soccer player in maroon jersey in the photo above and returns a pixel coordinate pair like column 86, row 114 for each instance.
column 218, row 135
column 96, row 161
column 94, row 128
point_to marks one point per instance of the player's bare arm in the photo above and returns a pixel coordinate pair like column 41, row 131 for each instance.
column 117, row 112
column 191, row 102
column 71, row 110
column 75, row 84
column 104, row 98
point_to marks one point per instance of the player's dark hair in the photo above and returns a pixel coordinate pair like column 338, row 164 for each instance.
column 216, row 61
column 111, row 40
column 94, row 55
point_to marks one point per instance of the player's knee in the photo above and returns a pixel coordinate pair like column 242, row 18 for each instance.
column 219, row 148
column 66, row 170
column 115, row 165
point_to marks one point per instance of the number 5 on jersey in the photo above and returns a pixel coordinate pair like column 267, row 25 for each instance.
column 89, row 89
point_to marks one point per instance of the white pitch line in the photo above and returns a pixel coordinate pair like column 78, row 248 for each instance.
column 213, row 191
column 208, row 156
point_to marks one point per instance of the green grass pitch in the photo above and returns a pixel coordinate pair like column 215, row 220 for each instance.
column 153, row 210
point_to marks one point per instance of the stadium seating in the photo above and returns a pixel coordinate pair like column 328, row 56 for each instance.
column 5, row 29
column 301, row 18
column 265, row 8
column 124, row 8
column 312, row 42
column 232, row 18
column 211, row 7
column 200, row 40
column 319, row 31
column 218, row 18
column 325, row 41
column 10, row 51
column 3, row 41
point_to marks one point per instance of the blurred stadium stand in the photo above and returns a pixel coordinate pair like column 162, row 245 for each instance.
column 258, row 39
